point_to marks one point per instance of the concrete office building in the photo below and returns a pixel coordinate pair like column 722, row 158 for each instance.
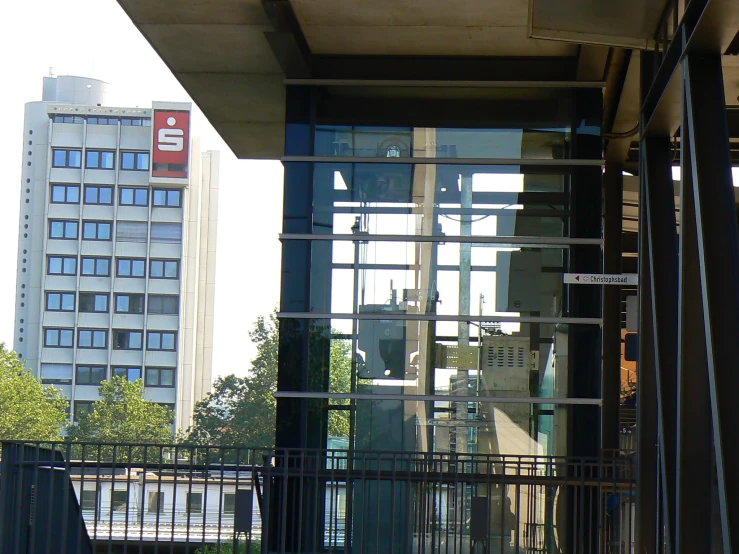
column 117, row 247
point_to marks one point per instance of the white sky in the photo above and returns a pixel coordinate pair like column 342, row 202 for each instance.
column 95, row 38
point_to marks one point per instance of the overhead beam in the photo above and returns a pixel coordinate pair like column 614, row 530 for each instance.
column 287, row 41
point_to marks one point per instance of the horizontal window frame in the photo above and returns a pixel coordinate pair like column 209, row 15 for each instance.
column 66, row 164
column 59, row 329
column 93, row 332
column 137, row 154
column 388, row 316
column 130, row 274
column 115, row 341
column 127, row 369
column 99, row 152
column 164, row 262
column 90, row 367
column 439, row 398
column 159, row 369
column 98, row 188
column 61, row 294
column 534, row 242
column 64, row 222
column 98, row 224
column 531, row 162
column 105, row 295
column 63, row 259
column 128, row 294
column 134, row 202
column 66, row 187
column 96, row 260
column 162, row 297
column 161, row 333
column 166, row 192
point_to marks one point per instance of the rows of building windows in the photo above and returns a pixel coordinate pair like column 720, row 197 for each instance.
column 126, row 231
column 90, row 500
column 86, row 374
column 85, row 407
column 100, row 159
column 123, row 339
column 97, row 266
column 96, row 120
column 125, row 303
column 62, row 193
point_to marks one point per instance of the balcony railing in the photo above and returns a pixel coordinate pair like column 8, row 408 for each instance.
column 60, row 498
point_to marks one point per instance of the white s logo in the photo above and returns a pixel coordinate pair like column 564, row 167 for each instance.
column 171, row 140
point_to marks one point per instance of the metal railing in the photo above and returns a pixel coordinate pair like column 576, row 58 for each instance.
column 58, row 498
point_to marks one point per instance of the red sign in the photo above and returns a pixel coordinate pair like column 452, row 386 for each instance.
column 171, row 144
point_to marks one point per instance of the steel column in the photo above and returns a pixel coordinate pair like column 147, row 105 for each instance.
column 613, row 185
column 718, row 256
column 663, row 258
column 694, row 445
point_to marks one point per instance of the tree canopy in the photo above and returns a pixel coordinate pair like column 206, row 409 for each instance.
column 123, row 415
column 28, row 410
column 241, row 410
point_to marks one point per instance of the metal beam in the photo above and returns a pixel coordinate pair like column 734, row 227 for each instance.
column 718, row 249
column 694, row 444
column 663, row 263
column 613, row 183
column 433, row 83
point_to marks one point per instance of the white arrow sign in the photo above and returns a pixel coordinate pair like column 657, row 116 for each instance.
column 601, row 279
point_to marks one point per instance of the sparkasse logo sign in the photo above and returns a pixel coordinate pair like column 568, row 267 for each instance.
column 171, row 143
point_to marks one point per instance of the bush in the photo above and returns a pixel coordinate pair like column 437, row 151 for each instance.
column 227, row 548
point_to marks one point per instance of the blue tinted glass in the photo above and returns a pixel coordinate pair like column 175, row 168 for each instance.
column 170, row 269
column 173, row 198
column 98, row 339
column 103, row 267
column 134, row 373
column 88, row 266
column 160, row 197
column 53, row 301
column 71, row 230
column 142, row 197
column 60, row 158
column 93, row 159
column 127, row 197
column 89, row 230
column 157, row 269
column 134, row 340
column 75, row 158
column 85, row 339
column 125, row 121
column 68, row 302
column 155, row 342
column 70, row 266
column 106, row 195
column 137, row 268
column 66, row 337
column 142, row 160
column 167, row 341
column 57, row 229
column 55, row 265
column 127, row 160
column 73, row 194
column 124, row 267
column 101, row 303
column 121, row 303
column 91, row 195
column 106, row 160
column 104, row 231
column 52, row 337
column 57, row 193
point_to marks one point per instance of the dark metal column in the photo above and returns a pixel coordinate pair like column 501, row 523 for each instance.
column 613, row 185
column 694, row 444
column 718, row 256
column 663, row 258
column 646, row 398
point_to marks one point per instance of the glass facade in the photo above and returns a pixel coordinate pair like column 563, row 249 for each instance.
column 422, row 264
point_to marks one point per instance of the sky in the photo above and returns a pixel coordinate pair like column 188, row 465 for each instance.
column 95, row 38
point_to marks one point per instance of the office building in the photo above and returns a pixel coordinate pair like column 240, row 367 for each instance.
column 117, row 247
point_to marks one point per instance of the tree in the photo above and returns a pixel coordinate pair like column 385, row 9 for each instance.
column 123, row 416
column 28, row 410
column 241, row 410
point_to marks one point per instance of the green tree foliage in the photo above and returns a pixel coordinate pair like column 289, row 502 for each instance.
column 28, row 410
column 241, row 410
column 123, row 416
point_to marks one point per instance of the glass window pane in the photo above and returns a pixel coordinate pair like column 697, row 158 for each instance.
column 88, row 230
column 60, row 158
column 73, row 194
column 127, row 160
column 124, row 267
column 160, row 197
column 57, row 193
column 74, row 158
column 167, row 377
column 55, row 265
column 66, row 337
column 106, row 195
column 70, row 266
column 157, row 268
column 167, row 341
column 93, row 159
column 99, row 339
column 68, row 302
column 106, row 160
column 152, row 376
column 97, row 375
column 103, row 267
column 85, row 339
column 170, row 269
column 83, row 375
column 126, row 196
column 57, row 229
column 121, row 303
column 173, row 198
column 134, row 373
column 104, row 231
column 142, row 160
column 142, row 197
column 134, row 340
column 71, row 230
column 101, row 303
column 91, row 195
column 155, row 342
column 53, row 301
column 52, row 337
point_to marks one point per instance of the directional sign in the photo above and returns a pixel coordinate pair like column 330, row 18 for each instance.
column 601, row 279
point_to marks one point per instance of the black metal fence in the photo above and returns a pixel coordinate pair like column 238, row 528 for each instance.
column 64, row 498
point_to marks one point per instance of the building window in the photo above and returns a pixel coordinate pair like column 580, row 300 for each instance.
column 64, row 118
column 99, row 159
column 59, row 229
column 63, row 157
column 129, row 303
column 58, row 338
column 160, row 340
column 97, row 194
column 164, row 304
column 229, row 502
column 65, row 194
column 136, row 122
column 60, row 301
column 102, row 120
column 99, row 267
column 169, row 198
column 166, row 232
column 96, row 230
column 164, row 269
column 128, row 373
column 127, row 340
column 129, row 196
column 83, row 408
column 90, row 375
column 131, row 231
column 194, row 502
column 160, row 377
column 89, row 494
column 93, row 302
column 155, row 503
column 118, row 501
column 92, row 338
column 56, row 374
column 138, row 161
column 130, row 267
column 62, row 265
